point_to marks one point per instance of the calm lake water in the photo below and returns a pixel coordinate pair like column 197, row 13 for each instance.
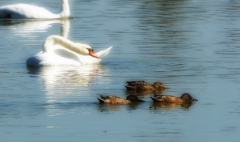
column 189, row 45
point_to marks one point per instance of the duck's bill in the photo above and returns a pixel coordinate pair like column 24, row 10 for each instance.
column 165, row 87
column 91, row 53
column 193, row 99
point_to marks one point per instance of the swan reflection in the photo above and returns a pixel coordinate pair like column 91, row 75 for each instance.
column 27, row 27
column 62, row 75
column 66, row 86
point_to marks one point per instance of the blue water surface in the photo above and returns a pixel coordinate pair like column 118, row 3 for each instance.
column 190, row 46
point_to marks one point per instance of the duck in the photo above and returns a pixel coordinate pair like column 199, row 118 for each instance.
column 60, row 51
column 142, row 85
column 27, row 11
column 118, row 100
column 186, row 97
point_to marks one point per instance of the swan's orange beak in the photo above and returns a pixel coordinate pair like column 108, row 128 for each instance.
column 91, row 53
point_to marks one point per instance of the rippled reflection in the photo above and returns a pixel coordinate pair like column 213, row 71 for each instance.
column 157, row 105
column 109, row 107
column 118, row 107
column 61, row 82
column 62, row 75
column 26, row 27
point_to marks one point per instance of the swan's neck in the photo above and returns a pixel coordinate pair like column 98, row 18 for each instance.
column 65, row 11
column 65, row 26
column 58, row 40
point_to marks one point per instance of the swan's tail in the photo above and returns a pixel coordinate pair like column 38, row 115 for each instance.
column 103, row 53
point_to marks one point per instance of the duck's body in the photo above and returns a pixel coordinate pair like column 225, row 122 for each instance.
column 117, row 100
column 33, row 12
column 145, row 92
column 142, row 85
column 59, row 51
column 172, row 99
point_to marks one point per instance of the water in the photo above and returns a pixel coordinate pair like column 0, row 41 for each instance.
column 190, row 46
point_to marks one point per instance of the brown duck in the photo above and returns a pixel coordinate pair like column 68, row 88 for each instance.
column 172, row 99
column 117, row 100
column 142, row 85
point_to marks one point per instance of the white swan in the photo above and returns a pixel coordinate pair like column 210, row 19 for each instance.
column 59, row 51
column 30, row 11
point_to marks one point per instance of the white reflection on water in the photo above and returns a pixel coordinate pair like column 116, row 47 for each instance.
column 26, row 28
column 62, row 85
column 61, row 75
column 56, row 78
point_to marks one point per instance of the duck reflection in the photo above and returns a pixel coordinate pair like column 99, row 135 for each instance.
column 29, row 26
column 171, row 105
column 117, row 107
column 133, row 106
column 109, row 107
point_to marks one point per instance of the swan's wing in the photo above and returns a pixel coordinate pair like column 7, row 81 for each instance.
column 62, row 56
column 103, row 53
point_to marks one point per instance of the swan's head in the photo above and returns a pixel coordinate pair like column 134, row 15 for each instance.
column 91, row 53
column 87, row 50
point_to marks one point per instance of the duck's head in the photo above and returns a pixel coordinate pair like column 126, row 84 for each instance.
column 133, row 98
column 188, row 97
column 159, row 85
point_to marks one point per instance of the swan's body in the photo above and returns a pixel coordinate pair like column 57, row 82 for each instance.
column 59, row 51
column 30, row 11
